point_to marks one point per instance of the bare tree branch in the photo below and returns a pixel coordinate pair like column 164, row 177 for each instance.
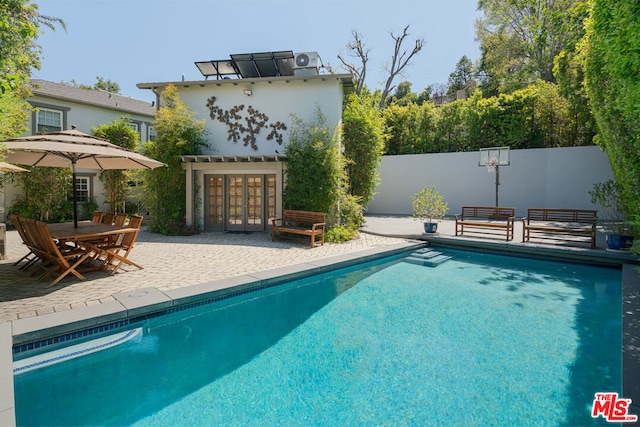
column 357, row 50
column 400, row 60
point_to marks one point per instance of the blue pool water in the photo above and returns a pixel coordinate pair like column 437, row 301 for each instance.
column 478, row 340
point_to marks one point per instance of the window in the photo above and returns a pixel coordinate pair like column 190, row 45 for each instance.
column 83, row 188
column 136, row 126
column 48, row 120
column 152, row 133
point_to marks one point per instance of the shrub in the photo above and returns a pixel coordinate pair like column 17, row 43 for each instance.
column 177, row 133
column 314, row 178
column 340, row 234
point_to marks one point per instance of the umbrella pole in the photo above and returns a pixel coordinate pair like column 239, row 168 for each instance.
column 75, row 196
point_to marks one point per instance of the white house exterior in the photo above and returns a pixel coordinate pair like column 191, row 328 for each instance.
column 235, row 186
column 59, row 106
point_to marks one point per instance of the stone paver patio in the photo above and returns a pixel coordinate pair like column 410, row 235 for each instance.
column 169, row 262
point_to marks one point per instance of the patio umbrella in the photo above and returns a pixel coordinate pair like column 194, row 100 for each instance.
column 72, row 148
column 8, row 167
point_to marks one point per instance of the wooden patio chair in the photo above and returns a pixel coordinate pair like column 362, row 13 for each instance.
column 31, row 257
column 120, row 219
column 97, row 216
column 66, row 262
column 32, row 233
column 108, row 218
column 119, row 251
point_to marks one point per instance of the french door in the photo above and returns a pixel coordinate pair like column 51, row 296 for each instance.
column 239, row 202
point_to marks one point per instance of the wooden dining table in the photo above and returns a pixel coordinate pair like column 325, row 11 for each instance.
column 86, row 234
column 85, row 231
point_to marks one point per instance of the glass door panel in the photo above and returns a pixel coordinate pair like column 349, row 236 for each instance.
column 255, row 207
column 235, row 205
column 215, row 202
column 271, row 197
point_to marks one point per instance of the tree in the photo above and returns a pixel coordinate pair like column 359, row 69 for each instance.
column 100, row 84
column 14, row 115
column 425, row 95
column 462, row 77
column 360, row 51
column 20, row 24
column 106, row 85
column 115, row 181
column 403, row 95
column 519, row 40
column 399, row 61
column 177, row 133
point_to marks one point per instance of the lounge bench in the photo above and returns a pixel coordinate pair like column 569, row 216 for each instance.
column 486, row 217
column 574, row 222
column 300, row 223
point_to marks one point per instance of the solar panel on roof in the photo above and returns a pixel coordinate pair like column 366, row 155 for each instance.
column 217, row 68
column 250, row 65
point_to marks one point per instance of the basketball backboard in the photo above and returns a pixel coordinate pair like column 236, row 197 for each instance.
column 495, row 156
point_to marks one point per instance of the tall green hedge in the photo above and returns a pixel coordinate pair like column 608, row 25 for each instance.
column 535, row 117
column 613, row 87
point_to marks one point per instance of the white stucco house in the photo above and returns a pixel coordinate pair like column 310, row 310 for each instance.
column 247, row 103
column 58, row 106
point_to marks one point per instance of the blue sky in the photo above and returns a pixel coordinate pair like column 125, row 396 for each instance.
column 134, row 41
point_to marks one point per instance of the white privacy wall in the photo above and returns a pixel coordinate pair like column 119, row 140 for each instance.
column 536, row 178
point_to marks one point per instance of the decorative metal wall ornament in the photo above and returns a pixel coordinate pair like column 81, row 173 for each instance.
column 249, row 125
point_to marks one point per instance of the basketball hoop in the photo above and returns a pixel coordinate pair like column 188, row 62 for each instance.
column 491, row 165
column 494, row 158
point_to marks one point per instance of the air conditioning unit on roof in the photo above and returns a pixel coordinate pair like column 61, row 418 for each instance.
column 306, row 60
column 305, row 63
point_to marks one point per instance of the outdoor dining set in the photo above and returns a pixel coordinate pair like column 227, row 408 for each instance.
column 104, row 243
column 57, row 250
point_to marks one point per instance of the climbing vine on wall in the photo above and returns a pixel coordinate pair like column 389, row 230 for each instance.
column 245, row 127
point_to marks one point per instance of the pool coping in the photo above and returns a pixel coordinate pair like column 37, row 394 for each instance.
column 150, row 300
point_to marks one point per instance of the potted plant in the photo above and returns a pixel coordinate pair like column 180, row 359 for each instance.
column 606, row 195
column 429, row 206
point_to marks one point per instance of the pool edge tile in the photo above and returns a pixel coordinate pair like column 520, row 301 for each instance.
column 39, row 327
column 137, row 302
column 7, row 408
column 204, row 291
column 283, row 274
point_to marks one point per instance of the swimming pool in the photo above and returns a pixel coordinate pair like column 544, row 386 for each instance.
column 479, row 339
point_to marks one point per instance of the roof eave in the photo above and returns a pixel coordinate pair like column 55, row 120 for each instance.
column 345, row 79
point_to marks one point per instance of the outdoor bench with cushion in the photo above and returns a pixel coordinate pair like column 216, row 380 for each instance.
column 486, row 217
column 570, row 222
column 300, row 223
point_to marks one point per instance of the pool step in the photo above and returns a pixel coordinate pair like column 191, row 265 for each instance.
column 427, row 257
column 71, row 352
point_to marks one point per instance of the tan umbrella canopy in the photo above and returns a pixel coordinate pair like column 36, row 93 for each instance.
column 8, row 167
column 72, row 148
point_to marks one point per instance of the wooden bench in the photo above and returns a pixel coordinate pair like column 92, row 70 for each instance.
column 487, row 217
column 575, row 222
column 301, row 223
